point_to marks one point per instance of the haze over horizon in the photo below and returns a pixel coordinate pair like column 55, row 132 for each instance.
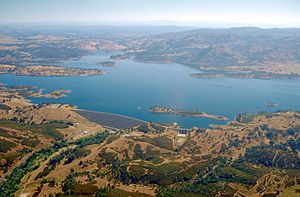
column 268, row 13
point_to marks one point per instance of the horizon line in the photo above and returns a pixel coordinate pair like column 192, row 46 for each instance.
column 153, row 23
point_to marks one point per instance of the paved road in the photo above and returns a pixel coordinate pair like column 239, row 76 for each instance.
column 110, row 120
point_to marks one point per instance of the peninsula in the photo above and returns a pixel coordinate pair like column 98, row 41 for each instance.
column 245, row 74
column 17, row 91
column 166, row 110
column 48, row 71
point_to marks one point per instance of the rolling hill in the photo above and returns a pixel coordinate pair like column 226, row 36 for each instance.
column 245, row 46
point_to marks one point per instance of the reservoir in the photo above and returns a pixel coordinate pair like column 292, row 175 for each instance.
column 131, row 88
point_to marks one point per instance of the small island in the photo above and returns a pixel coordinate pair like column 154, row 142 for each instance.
column 271, row 104
column 166, row 110
column 54, row 94
column 22, row 87
column 120, row 57
column 106, row 63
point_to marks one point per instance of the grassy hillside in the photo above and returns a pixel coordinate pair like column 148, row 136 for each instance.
column 254, row 155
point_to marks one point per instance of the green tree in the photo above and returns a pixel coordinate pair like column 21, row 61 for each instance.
column 138, row 153
column 68, row 185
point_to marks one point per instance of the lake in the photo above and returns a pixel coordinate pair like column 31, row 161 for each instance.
column 131, row 88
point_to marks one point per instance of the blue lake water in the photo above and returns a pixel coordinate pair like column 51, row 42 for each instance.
column 131, row 88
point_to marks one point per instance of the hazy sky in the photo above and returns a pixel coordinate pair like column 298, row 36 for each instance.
column 248, row 12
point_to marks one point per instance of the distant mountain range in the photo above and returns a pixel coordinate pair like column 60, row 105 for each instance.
column 245, row 46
